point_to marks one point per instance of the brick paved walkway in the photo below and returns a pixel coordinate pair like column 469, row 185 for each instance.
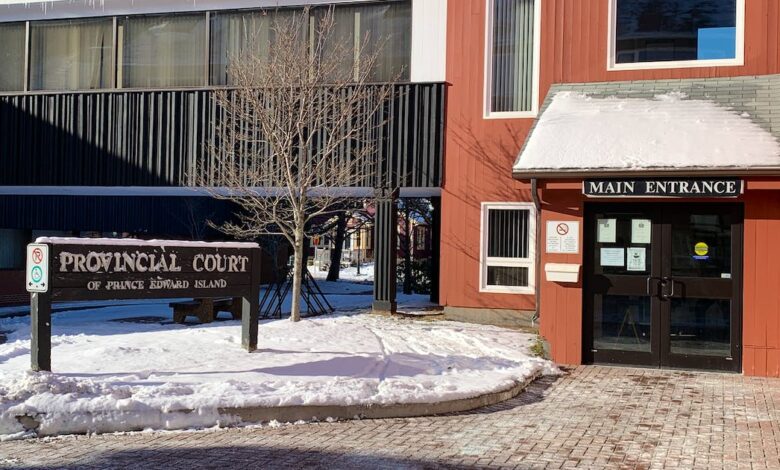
column 596, row 417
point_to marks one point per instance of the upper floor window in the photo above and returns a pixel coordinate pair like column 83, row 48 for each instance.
column 12, row 52
column 676, row 33
column 71, row 55
column 237, row 35
column 384, row 30
column 512, row 57
column 162, row 51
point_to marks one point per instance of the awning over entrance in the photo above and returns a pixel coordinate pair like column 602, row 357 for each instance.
column 705, row 126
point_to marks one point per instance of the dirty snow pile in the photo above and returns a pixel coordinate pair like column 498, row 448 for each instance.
column 114, row 375
column 669, row 131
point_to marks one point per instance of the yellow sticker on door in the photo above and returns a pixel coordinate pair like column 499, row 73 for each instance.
column 701, row 249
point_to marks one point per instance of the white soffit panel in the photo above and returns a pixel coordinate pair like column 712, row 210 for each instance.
column 429, row 40
column 18, row 10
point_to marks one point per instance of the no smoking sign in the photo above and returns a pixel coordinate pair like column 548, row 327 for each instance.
column 563, row 236
column 37, row 278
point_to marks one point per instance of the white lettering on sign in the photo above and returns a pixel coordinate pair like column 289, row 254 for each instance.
column 37, row 276
column 220, row 263
column 563, row 237
column 695, row 187
column 138, row 262
column 115, row 262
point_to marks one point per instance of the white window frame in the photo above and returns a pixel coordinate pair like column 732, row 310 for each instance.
column 680, row 64
column 529, row 262
column 488, row 85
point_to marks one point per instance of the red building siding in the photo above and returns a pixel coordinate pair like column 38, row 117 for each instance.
column 478, row 163
column 480, row 153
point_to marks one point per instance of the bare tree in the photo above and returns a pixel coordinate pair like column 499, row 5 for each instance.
column 299, row 125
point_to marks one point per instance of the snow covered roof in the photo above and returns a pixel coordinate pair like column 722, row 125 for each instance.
column 136, row 242
column 656, row 127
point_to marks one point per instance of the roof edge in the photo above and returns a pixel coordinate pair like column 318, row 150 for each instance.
column 666, row 172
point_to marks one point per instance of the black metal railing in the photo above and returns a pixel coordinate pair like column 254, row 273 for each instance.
column 156, row 137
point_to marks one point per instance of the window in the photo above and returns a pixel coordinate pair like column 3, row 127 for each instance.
column 512, row 58
column 234, row 35
column 676, row 33
column 71, row 55
column 162, row 51
column 508, row 244
column 384, row 29
column 12, row 38
column 13, row 248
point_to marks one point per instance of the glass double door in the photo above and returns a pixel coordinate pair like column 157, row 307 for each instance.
column 663, row 285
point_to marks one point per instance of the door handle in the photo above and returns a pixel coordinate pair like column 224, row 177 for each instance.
column 668, row 280
column 650, row 279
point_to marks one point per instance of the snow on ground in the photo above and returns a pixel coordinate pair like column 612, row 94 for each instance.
column 349, row 274
column 112, row 375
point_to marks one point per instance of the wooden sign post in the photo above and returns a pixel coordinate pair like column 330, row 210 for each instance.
column 68, row 269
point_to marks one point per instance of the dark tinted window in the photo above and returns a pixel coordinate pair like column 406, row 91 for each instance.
column 12, row 56
column 671, row 30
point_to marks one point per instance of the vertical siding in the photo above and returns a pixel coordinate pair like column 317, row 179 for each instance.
column 156, row 138
column 480, row 153
column 761, row 322
column 561, row 304
column 479, row 157
column 575, row 38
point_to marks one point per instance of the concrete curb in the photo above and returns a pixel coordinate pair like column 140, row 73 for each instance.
column 290, row 414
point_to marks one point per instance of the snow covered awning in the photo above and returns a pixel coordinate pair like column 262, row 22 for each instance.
column 692, row 127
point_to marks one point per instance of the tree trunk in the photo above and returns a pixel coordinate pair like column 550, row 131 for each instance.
column 298, row 247
column 406, row 246
column 338, row 242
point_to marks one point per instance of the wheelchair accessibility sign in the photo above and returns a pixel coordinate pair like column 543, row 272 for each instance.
column 37, row 279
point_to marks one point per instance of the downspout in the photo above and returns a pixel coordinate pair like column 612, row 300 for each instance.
column 538, row 270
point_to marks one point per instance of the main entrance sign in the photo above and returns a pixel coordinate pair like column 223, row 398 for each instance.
column 109, row 269
column 663, row 187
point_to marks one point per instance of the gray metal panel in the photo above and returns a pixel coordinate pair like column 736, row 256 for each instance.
column 155, row 137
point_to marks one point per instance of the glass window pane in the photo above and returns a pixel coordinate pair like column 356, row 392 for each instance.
column 244, row 34
column 701, row 327
column 162, row 51
column 12, row 56
column 670, row 30
column 622, row 322
column 507, row 233
column 340, row 44
column 385, row 31
column 702, row 247
column 71, row 55
column 512, row 55
column 12, row 248
column 508, row 276
column 623, row 244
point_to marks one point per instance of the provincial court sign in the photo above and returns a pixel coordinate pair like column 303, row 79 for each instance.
column 68, row 269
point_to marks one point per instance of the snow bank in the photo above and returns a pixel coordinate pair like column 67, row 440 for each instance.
column 668, row 132
column 114, row 375
column 349, row 274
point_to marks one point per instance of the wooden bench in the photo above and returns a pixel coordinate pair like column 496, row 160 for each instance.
column 206, row 310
